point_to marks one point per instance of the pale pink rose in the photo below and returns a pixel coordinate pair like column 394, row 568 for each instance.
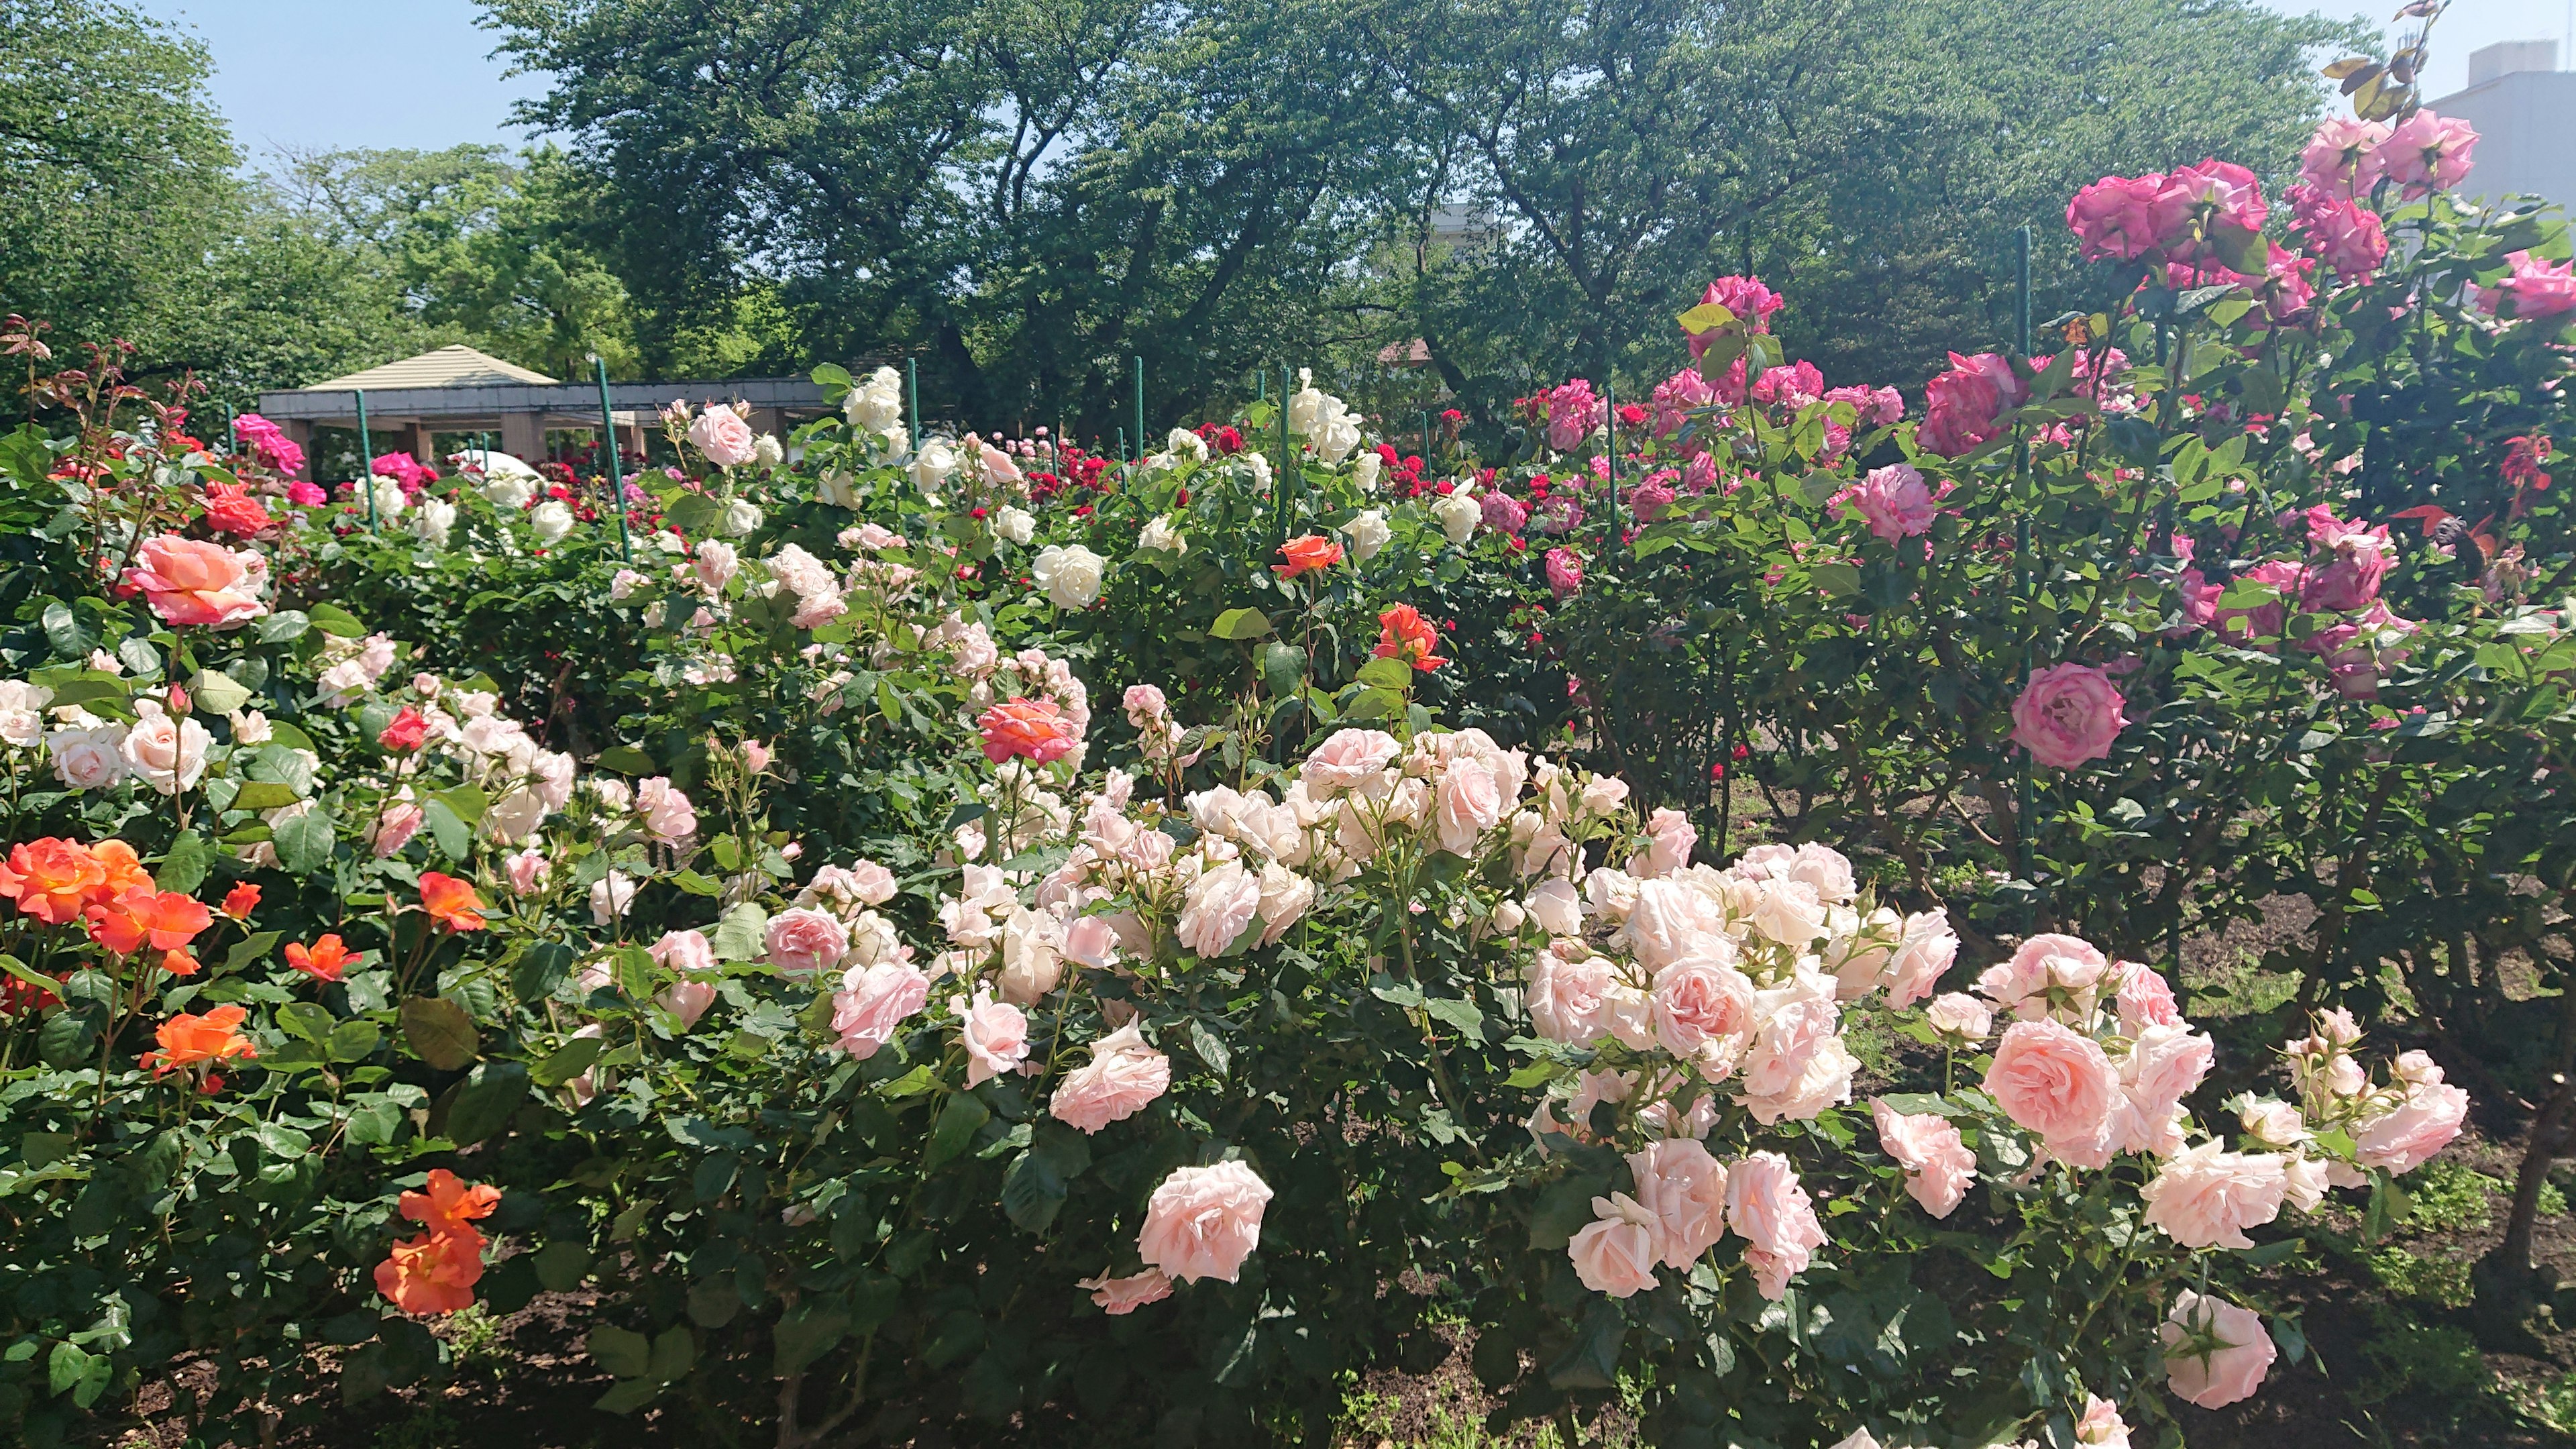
column 2215, row 1352
column 1824, row 869
column 2406, row 1138
column 528, row 870
column 1670, row 836
column 1685, row 1189
column 687, row 1000
column 1145, row 705
column 1467, row 804
column 190, row 582
column 1938, row 1166
column 687, row 952
column 995, row 1033
column 1791, row 913
column 1703, row 1011
column 756, row 756
column 2307, row 1179
column 1204, row 1221
column 1668, row 920
column 2068, row 714
column 1615, row 1253
column 1958, row 1014
column 1798, row 1065
column 2167, row 1064
column 666, row 812
column 1118, row 1296
column 2101, row 1427
column 1923, row 955
column 715, row 563
column 725, row 439
column 1091, row 940
column 1347, row 758
column 1766, row 1205
column 1219, row 906
column 1558, row 908
column 2145, row 999
column 1123, row 1077
column 2059, row 1085
column 870, row 883
column 2046, row 970
column 1285, row 897
column 2207, row 1197
column 1565, row 991
column 395, row 826
column 2342, row 158
column 801, row 942
column 873, row 1002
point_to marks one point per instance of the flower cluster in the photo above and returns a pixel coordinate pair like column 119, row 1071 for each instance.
column 435, row 1272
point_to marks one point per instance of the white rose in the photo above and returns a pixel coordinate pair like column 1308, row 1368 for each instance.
column 767, row 452
column 610, row 897
column 876, row 404
column 932, row 467
column 87, row 759
column 1070, row 576
column 509, row 490
column 1364, row 470
column 431, row 524
column 22, row 712
column 250, row 727
column 1016, row 524
column 389, row 499
column 1259, row 463
column 169, row 754
column 1458, row 514
column 1323, row 419
column 550, row 520
column 1160, row 536
column 1368, row 533
column 1184, row 442
column 740, row 517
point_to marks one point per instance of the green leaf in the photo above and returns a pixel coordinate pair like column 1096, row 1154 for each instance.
column 304, row 842
column 1385, row 674
column 304, row 1019
column 1239, row 625
column 333, row 620
column 483, row 1105
column 740, row 935
column 627, row 1395
column 625, row 760
column 264, row 795
column 698, row 885
column 466, row 801
column 568, row 1061
column 217, row 692
column 1839, row 580
column 184, row 868
column 561, row 1265
column 28, row 974
column 284, row 626
column 353, row 1041
column 1209, row 1049
column 804, row 1334
column 71, row 639
column 958, row 1121
column 251, row 950
column 439, row 1032
column 620, row 1351
column 454, row 841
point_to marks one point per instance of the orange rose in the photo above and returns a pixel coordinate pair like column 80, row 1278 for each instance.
column 51, row 879
column 241, row 900
column 1404, row 634
column 327, row 959
column 1030, row 727
column 451, row 902
column 124, row 871
column 432, row 1273
column 162, row 920
column 449, row 1204
column 1307, row 554
column 187, row 1040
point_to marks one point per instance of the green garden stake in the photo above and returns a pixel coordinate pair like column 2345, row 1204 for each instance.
column 1261, row 385
column 2026, row 798
column 1610, row 440
column 1123, row 469
column 366, row 459
column 1426, row 437
column 608, row 447
column 1280, row 488
column 912, row 384
column 1140, row 404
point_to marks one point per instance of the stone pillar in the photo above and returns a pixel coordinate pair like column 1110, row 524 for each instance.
column 768, row 420
column 299, row 431
column 523, row 435
column 423, row 443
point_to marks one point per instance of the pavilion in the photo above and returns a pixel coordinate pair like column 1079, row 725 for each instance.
column 457, row 390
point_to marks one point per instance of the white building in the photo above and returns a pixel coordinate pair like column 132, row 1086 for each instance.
column 2525, row 110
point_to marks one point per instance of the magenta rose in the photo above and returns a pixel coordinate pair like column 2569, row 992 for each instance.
column 2122, row 218
column 2068, row 714
column 1962, row 407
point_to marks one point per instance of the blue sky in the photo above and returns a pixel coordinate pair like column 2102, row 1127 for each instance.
column 420, row 73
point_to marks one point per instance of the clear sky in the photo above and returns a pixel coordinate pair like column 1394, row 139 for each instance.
column 420, row 73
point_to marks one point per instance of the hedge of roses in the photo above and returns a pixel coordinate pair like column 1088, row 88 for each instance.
column 945, row 932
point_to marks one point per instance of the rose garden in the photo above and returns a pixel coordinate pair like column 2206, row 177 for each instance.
column 1719, row 920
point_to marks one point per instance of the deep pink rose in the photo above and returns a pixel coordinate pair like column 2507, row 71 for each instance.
column 2122, row 218
column 2219, row 196
column 2347, row 561
column 2342, row 158
column 1961, row 406
column 1204, row 1221
column 2068, row 714
column 1033, row 728
column 1892, row 498
column 2428, row 153
column 2344, row 235
column 2215, row 1352
column 2534, row 288
column 1746, row 297
column 1564, row 572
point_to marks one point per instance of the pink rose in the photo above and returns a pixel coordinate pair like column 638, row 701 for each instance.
column 1615, row 1253
column 1924, row 954
column 1125, row 1295
column 1122, row 1078
column 2122, row 218
column 686, row 952
column 1144, row 705
column 873, row 1002
column 1892, row 498
column 1220, row 904
column 871, row 884
column 724, row 438
column 667, row 814
column 2101, row 1427
column 2068, row 714
column 1669, row 839
column 1685, row 1189
column 2342, row 158
column 2215, row 1352
column 187, row 581
column 2534, row 288
column 1204, row 1221
column 2407, row 1137
column 1958, row 1014
column 1573, row 411
column 1034, row 728
column 716, row 562
column 1564, row 572
column 2348, row 561
column 1564, row 995
column 1703, row 1011
column 687, row 1000
column 1466, row 805
column 2217, row 195
column 2344, row 235
column 2428, row 153
column 1346, row 758
column 2058, row 1084
column 1962, row 407
column 528, row 870
column 801, row 942
column 395, row 826
column 2145, row 999
column 995, row 1033
column 1938, row 1166
column 1766, row 1205
column 2208, row 1197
